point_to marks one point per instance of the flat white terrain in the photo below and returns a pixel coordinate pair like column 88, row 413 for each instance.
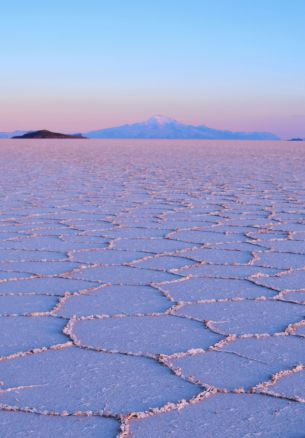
column 152, row 289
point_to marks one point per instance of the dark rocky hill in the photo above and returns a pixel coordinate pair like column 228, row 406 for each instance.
column 46, row 134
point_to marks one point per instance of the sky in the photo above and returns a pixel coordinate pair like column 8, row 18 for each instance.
column 76, row 65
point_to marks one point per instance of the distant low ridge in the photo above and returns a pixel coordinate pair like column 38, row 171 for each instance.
column 4, row 135
column 161, row 127
column 47, row 134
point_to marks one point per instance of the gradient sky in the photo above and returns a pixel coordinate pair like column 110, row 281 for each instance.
column 77, row 65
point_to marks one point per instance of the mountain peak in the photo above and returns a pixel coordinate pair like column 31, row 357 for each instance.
column 160, row 126
column 161, row 120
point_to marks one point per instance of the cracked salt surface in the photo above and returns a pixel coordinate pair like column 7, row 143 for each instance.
column 159, row 334
column 47, row 286
column 245, row 316
column 152, row 289
column 23, row 333
column 112, row 300
column 73, row 379
column 229, row 416
column 196, row 289
column 20, row 424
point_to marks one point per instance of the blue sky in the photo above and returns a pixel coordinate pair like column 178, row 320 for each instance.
column 80, row 65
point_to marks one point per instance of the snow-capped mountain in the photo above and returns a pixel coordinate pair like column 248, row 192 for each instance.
column 164, row 127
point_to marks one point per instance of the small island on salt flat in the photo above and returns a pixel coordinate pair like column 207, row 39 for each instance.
column 47, row 134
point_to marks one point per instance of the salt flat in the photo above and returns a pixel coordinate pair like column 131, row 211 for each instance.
column 152, row 289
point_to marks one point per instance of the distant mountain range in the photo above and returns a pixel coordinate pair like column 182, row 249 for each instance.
column 160, row 127
column 164, row 127
column 44, row 133
column 11, row 134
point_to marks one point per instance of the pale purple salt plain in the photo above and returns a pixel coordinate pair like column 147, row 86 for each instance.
column 152, row 289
